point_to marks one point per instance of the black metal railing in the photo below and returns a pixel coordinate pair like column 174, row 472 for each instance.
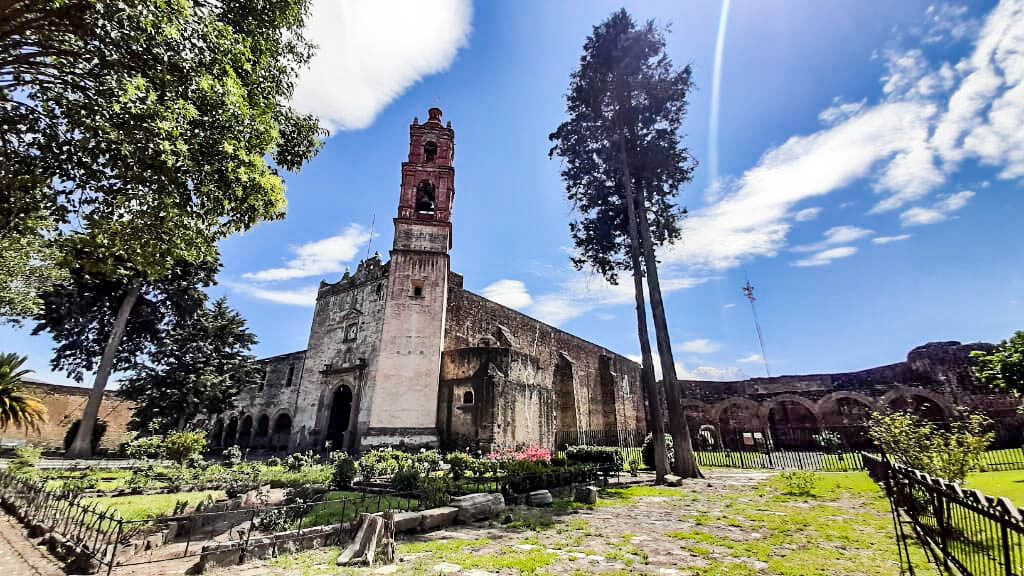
column 110, row 540
column 962, row 530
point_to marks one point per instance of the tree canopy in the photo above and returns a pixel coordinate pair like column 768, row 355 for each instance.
column 1003, row 367
column 17, row 407
column 198, row 367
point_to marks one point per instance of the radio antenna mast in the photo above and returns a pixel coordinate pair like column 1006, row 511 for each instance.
column 373, row 220
column 748, row 291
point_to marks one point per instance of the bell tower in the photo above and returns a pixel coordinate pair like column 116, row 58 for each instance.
column 404, row 397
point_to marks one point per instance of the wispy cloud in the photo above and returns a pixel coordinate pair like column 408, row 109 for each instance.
column 700, row 346
column 707, row 373
column 511, row 293
column 729, row 305
column 835, row 236
column 890, row 239
column 807, row 214
column 753, row 358
column 929, row 116
column 304, row 296
column 938, row 212
column 371, row 52
column 325, row 256
column 826, row 257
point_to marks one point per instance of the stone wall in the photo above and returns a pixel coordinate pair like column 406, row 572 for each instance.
column 64, row 405
column 593, row 388
column 265, row 414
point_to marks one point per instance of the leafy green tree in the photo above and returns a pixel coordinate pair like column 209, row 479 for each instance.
column 950, row 454
column 147, row 127
column 17, row 407
column 28, row 266
column 1003, row 367
column 198, row 367
column 624, row 165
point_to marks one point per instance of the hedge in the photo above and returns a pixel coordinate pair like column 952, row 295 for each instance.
column 603, row 455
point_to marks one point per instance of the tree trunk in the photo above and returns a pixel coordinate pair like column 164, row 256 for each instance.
column 656, row 423
column 686, row 462
column 82, row 445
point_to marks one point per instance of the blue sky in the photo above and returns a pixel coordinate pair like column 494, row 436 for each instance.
column 869, row 175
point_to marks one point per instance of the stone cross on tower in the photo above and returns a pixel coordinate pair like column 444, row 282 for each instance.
column 404, row 404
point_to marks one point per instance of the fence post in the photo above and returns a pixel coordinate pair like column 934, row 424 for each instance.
column 248, row 534
column 113, row 551
column 1007, row 560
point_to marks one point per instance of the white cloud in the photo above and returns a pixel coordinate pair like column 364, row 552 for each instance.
column 511, row 293
column 325, row 256
column 751, row 359
column 729, row 305
column 834, row 236
column 930, row 117
column 890, row 239
column 707, row 373
column 371, row 52
column 827, row 256
column 305, row 296
column 807, row 214
column 700, row 346
column 938, row 212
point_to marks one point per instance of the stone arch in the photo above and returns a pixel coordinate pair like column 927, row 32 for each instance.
column 262, row 429
column 245, row 432
column 231, row 432
column 564, row 385
column 426, row 195
column 282, row 431
column 792, row 420
column 216, row 436
column 735, row 416
column 429, row 152
column 467, row 397
column 925, row 403
column 339, row 421
column 845, row 408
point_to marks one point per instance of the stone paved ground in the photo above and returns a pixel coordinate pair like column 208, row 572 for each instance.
column 734, row 523
column 18, row 556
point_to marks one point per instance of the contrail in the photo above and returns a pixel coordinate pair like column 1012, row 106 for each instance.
column 716, row 84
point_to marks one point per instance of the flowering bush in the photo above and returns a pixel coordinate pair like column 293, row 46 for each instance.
column 531, row 454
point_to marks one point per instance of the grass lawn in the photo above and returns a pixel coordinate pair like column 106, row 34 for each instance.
column 735, row 523
column 341, row 506
column 145, row 506
column 1009, row 483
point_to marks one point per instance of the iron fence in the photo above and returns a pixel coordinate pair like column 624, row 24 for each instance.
column 110, row 540
column 963, row 531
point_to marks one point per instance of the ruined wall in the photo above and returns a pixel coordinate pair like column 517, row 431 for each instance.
column 593, row 388
column 933, row 381
column 265, row 412
column 64, row 405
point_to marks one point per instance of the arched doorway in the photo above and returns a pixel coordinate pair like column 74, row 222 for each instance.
column 231, row 434
column 567, row 416
column 921, row 406
column 341, row 417
column 792, row 424
column 245, row 433
column 282, row 431
column 262, row 430
column 739, row 426
column 216, row 436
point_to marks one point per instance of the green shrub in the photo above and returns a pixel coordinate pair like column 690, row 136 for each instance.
column 559, row 461
column 89, row 480
column 98, row 430
column 406, row 479
column 950, row 454
column 25, row 459
column 647, row 452
column 433, row 491
column 273, row 461
column 427, row 461
column 344, row 470
column 148, row 448
column 383, row 463
column 602, row 455
column 458, row 464
column 140, row 480
column 232, row 456
column 241, row 479
column 798, row 482
column 300, row 460
column 185, row 445
column 634, row 465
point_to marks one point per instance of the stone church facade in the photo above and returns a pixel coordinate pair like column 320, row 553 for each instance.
column 399, row 353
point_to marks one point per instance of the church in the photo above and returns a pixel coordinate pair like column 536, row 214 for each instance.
column 400, row 354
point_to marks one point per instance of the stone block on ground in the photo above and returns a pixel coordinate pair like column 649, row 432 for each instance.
column 407, row 521
column 673, row 480
column 438, row 517
column 587, row 494
column 539, row 498
column 475, row 507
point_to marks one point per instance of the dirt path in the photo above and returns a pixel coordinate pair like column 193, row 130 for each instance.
column 18, row 557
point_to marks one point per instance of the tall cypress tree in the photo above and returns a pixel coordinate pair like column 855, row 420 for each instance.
column 624, row 166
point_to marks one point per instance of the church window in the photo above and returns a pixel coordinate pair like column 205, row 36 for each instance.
column 429, row 152
column 291, row 375
column 380, row 292
column 351, row 330
column 417, row 289
column 467, row 397
column 425, row 197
